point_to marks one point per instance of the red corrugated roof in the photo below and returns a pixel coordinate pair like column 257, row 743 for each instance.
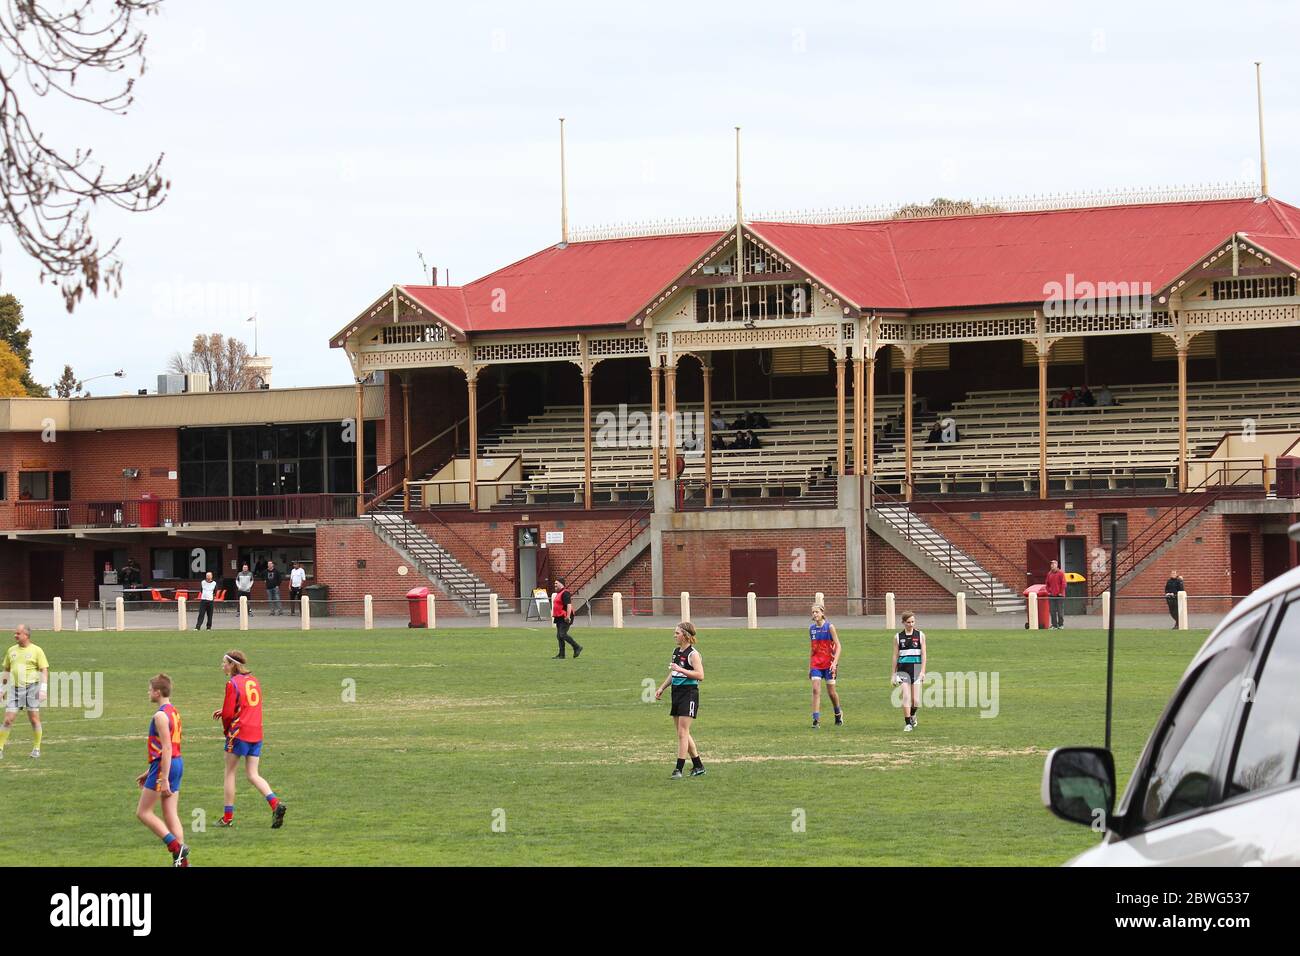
column 1286, row 248
column 905, row 264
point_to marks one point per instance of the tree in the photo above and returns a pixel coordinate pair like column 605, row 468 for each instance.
column 12, row 371
column 67, row 385
column 225, row 360
column 47, row 193
column 943, row 207
column 19, row 341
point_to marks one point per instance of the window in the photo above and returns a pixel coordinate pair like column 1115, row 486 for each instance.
column 1064, row 352
column 253, row 460
column 931, row 358
column 1118, row 521
column 1201, row 347
column 1270, row 740
column 808, row 360
column 34, row 485
column 4, row 486
column 184, row 562
column 1179, row 776
column 1255, row 287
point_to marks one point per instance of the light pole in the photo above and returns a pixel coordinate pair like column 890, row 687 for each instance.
column 81, row 385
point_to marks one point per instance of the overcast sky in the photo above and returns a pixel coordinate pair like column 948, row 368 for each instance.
column 313, row 148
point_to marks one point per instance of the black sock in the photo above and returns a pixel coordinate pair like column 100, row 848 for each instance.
column 696, row 761
column 681, row 762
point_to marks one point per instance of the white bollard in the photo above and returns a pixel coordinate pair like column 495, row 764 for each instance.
column 494, row 611
column 618, row 608
column 243, row 612
column 891, row 620
column 819, row 598
column 1032, row 603
column 305, row 621
column 368, row 613
column 180, row 614
column 686, row 605
column 1105, row 610
column 961, row 610
column 119, row 608
column 432, row 610
column 58, row 614
column 1182, row 611
column 751, row 610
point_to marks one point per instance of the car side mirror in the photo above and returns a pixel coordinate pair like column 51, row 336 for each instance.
column 1079, row 785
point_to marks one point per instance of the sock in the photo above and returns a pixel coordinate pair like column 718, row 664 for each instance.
column 272, row 799
column 37, row 734
column 681, row 762
column 837, row 710
column 4, row 738
column 173, row 844
column 229, row 813
column 817, row 715
column 696, row 761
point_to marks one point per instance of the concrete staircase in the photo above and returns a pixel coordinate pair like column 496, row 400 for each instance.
column 943, row 561
column 614, row 567
column 434, row 561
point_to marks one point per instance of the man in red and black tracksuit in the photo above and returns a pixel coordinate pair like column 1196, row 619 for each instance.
column 1056, row 594
column 562, row 615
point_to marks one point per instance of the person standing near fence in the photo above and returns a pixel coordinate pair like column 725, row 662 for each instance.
column 685, row 671
column 562, row 616
column 244, row 584
column 297, row 577
column 207, row 594
column 27, row 672
column 273, row 579
column 1172, row 587
column 1056, row 594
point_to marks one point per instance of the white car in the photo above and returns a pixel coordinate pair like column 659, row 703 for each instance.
column 1217, row 783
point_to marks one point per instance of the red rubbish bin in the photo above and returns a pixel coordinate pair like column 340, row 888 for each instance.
column 1044, row 605
column 419, row 607
column 148, row 511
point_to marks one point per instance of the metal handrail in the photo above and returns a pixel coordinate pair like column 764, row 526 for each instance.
column 403, row 532
column 581, row 574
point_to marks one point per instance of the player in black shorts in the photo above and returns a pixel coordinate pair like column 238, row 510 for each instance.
column 685, row 673
column 907, row 666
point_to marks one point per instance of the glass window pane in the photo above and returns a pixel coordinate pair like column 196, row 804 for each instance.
column 245, row 479
column 214, row 444
column 192, row 481
column 310, row 476
column 342, row 476
column 265, row 443
column 286, row 441
column 216, row 480
column 191, row 444
column 243, row 443
column 1266, row 756
column 311, row 441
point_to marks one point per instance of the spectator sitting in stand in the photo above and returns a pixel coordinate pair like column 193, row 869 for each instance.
column 949, row 433
column 739, row 423
column 1104, row 398
column 760, row 421
column 936, row 434
column 1068, row 397
column 1086, row 398
column 719, row 443
column 752, row 441
column 718, row 423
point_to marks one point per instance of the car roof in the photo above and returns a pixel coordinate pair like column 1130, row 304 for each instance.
column 1258, row 598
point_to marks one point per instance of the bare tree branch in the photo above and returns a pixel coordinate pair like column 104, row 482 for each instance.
column 46, row 195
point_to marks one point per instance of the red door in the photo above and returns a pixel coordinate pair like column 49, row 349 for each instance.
column 753, row 571
column 45, row 574
column 1277, row 555
column 1239, row 558
column 1039, row 554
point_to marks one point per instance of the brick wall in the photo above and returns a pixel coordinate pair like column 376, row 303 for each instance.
column 341, row 546
column 96, row 460
column 889, row 571
column 808, row 560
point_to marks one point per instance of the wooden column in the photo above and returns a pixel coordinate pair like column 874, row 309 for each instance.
column 908, row 364
column 406, row 425
column 870, row 374
column 839, row 416
column 654, row 422
column 1182, row 415
column 857, row 412
column 586, row 438
column 708, row 435
column 670, row 399
column 360, row 436
column 1042, row 420
column 471, row 383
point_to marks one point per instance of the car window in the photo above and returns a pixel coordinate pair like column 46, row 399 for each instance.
column 1179, row 779
column 1266, row 756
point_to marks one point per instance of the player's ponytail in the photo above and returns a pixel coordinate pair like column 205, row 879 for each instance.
column 237, row 660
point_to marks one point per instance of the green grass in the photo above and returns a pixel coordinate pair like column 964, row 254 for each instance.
column 446, row 729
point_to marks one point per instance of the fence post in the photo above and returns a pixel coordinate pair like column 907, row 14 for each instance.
column 432, row 611
column 119, row 608
column 494, row 611
column 1031, row 601
column 686, row 605
column 1182, row 610
column 890, row 618
column 1105, row 609
column 819, row 598
column 305, row 620
column 180, row 613
column 57, row 624
column 243, row 612
column 368, row 613
column 618, row 608
column 751, row 610
column 961, row 610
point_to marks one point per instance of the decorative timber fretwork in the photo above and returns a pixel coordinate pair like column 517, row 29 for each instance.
column 1252, row 317
column 1108, row 324
column 410, row 333
column 527, row 351
column 1253, row 287
column 962, row 330
column 615, row 347
column 457, row 355
column 768, row 336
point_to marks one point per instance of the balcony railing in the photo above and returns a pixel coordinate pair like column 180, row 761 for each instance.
column 175, row 512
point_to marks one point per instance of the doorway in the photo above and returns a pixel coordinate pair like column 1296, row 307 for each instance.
column 45, row 575
column 1239, row 563
column 1277, row 555
column 754, row 570
column 527, row 548
column 1074, row 559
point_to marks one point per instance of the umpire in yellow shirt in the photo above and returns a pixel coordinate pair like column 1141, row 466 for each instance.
column 27, row 672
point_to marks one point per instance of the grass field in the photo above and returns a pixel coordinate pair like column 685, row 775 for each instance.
column 454, row 731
